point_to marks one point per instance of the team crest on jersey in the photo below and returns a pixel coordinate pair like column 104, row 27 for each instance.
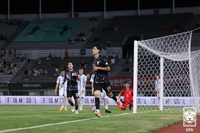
column 98, row 62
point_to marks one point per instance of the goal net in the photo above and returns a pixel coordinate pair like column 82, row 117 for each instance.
column 178, row 68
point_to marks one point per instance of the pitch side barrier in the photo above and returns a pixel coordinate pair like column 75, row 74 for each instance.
column 89, row 100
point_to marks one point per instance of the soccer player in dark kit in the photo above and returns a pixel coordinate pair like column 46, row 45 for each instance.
column 101, row 68
column 72, row 88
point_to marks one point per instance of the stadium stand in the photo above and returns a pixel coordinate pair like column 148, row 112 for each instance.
column 9, row 29
column 46, row 69
column 158, row 25
column 148, row 26
column 110, row 33
column 6, row 29
column 2, row 43
column 56, row 38
column 196, row 39
column 11, row 65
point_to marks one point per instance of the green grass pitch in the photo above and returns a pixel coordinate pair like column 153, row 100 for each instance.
column 48, row 119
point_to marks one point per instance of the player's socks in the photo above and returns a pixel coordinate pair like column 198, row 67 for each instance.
column 65, row 104
column 76, row 108
column 82, row 102
column 61, row 100
column 73, row 109
column 71, row 103
column 97, row 103
column 118, row 102
column 114, row 98
column 106, row 109
column 106, row 106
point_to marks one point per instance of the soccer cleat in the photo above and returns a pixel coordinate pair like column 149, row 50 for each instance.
column 107, row 111
column 61, row 108
column 73, row 109
column 97, row 113
column 80, row 109
column 76, row 111
column 65, row 109
column 119, row 104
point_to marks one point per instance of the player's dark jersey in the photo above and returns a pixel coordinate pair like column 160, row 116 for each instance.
column 71, row 80
column 101, row 76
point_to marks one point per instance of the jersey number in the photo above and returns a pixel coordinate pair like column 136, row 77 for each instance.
column 108, row 89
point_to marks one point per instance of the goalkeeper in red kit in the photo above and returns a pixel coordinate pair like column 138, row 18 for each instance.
column 128, row 96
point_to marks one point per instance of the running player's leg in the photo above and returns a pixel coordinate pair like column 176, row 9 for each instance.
column 103, row 96
column 97, row 94
column 65, row 100
column 81, row 100
column 75, row 95
column 61, row 100
column 108, row 90
column 69, row 98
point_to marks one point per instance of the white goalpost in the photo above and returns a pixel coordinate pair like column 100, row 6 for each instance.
column 178, row 67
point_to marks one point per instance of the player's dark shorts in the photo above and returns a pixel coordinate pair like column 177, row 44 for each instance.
column 106, row 86
column 72, row 93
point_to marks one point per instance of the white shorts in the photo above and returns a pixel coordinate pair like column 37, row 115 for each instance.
column 103, row 94
column 62, row 93
column 81, row 94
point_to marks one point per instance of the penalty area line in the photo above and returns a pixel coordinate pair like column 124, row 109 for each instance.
column 59, row 123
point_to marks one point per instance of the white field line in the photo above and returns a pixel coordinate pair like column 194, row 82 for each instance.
column 59, row 123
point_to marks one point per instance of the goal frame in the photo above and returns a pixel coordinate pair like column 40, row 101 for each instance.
column 135, row 75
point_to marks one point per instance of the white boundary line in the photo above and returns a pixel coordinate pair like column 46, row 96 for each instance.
column 59, row 123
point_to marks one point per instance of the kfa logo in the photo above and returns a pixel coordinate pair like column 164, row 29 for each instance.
column 189, row 116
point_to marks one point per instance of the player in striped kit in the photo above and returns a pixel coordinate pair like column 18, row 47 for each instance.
column 62, row 90
column 81, row 87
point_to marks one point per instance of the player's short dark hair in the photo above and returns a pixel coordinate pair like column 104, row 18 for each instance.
column 125, row 82
column 62, row 70
column 70, row 62
column 98, row 47
column 80, row 68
